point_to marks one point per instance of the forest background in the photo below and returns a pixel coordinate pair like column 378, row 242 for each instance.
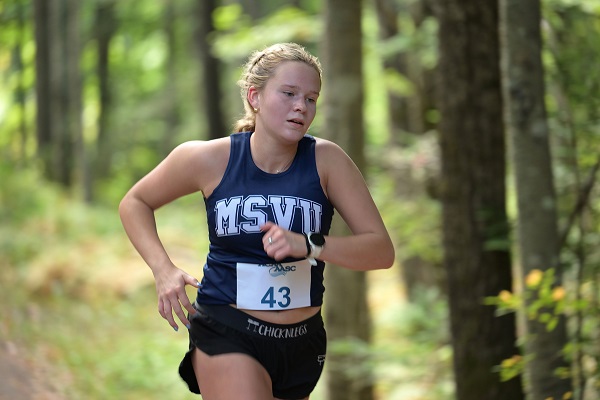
column 94, row 94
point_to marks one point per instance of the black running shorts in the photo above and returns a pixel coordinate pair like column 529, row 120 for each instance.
column 293, row 355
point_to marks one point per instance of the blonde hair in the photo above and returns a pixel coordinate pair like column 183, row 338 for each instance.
column 260, row 67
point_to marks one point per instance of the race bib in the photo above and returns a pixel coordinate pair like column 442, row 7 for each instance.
column 273, row 286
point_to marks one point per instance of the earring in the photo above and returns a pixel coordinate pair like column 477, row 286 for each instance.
column 255, row 110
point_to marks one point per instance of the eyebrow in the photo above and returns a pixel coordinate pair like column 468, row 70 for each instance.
column 296, row 87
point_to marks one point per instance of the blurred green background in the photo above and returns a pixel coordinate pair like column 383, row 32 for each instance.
column 78, row 316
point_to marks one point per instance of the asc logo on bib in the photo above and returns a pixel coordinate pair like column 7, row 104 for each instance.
column 278, row 269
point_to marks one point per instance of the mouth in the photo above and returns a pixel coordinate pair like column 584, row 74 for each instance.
column 296, row 121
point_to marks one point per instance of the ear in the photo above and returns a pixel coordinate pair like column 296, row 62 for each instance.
column 253, row 97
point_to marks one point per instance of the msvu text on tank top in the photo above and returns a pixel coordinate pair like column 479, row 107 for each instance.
column 238, row 214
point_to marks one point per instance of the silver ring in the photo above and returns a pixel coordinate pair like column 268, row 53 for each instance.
column 270, row 240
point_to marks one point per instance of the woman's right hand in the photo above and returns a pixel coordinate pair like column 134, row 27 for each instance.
column 172, row 297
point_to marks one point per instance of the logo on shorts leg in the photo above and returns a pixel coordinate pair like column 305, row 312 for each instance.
column 252, row 322
column 321, row 359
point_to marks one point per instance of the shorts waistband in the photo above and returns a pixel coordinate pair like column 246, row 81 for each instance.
column 243, row 322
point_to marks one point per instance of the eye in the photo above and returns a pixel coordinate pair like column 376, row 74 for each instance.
column 311, row 100
column 289, row 94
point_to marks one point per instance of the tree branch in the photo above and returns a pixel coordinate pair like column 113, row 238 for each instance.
column 582, row 201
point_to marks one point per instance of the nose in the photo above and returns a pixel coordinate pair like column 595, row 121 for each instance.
column 299, row 105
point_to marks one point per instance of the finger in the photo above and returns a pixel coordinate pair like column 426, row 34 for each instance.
column 281, row 253
column 190, row 280
column 189, row 308
column 168, row 315
column 181, row 315
column 268, row 241
column 266, row 226
column 160, row 309
column 271, row 245
column 275, row 251
column 185, row 302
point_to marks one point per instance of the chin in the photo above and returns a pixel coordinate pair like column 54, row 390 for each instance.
column 295, row 135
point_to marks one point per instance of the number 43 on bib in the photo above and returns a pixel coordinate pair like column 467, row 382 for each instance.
column 273, row 286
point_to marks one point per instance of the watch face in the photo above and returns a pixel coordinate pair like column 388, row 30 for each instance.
column 317, row 239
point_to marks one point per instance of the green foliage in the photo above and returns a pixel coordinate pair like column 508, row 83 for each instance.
column 413, row 222
column 543, row 301
column 512, row 367
column 17, row 73
column 228, row 17
column 23, row 195
column 104, row 349
column 572, row 32
column 80, row 300
column 67, row 267
column 238, row 35
column 420, row 41
column 410, row 356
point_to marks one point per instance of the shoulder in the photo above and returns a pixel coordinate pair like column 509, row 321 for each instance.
column 200, row 152
column 198, row 146
column 330, row 156
column 334, row 166
column 327, row 146
column 190, row 167
column 203, row 162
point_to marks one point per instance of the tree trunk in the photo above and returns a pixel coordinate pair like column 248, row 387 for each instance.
column 172, row 110
column 523, row 88
column 60, row 143
column 44, row 118
column 79, row 166
column 347, row 316
column 59, row 86
column 210, row 88
column 105, row 26
column 475, row 226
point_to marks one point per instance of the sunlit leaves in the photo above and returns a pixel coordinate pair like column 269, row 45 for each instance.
column 237, row 40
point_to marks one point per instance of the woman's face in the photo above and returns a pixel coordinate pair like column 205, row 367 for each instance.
column 288, row 102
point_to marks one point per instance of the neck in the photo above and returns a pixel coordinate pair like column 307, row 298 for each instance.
column 269, row 157
column 286, row 166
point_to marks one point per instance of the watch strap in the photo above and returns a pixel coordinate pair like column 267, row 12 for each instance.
column 308, row 246
column 315, row 249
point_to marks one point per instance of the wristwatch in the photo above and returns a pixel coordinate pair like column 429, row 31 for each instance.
column 316, row 242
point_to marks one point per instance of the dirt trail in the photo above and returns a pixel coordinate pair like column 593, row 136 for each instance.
column 20, row 379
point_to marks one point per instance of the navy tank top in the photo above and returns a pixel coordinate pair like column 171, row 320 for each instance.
column 246, row 198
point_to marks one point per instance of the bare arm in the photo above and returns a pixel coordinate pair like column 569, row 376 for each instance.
column 369, row 246
column 183, row 172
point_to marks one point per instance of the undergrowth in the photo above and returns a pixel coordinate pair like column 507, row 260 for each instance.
column 82, row 303
column 79, row 299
